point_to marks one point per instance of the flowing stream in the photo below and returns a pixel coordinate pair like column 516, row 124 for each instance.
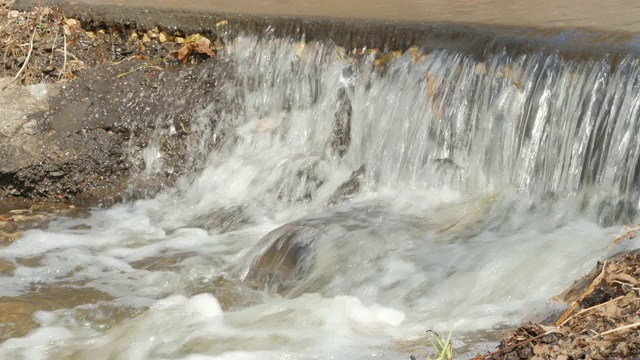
column 486, row 188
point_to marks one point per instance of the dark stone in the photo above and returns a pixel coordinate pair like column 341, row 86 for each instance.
column 285, row 257
column 11, row 226
column 349, row 188
column 222, row 220
column 341, row 136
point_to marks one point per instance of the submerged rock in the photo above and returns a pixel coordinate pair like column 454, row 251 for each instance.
column 341, row 136
column 349, row 188
column 222, row 220
column 284, row 257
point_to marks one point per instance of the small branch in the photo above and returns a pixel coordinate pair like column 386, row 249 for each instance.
column 589, row 309
column 508, row 348
column 2, row 218
column 70, row 55
column 142, row 67
column 64, row 64
column 567, row 315
column 55, row 40
column 621, row 328
column 26, row 61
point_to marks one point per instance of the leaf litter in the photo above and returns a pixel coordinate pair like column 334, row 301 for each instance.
column 44, row 45
column 602, row 321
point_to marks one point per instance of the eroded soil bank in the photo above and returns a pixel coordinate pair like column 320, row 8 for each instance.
column 95, row 115
column 82, row 139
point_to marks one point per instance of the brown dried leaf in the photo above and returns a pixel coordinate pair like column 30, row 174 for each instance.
column 624, row 277
column 183, row 53
column 611, row 309
column 164, row 37
column 203, row 46
column 71, row 22
column 539, row 349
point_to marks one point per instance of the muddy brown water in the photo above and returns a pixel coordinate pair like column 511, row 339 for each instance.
column 615, row 15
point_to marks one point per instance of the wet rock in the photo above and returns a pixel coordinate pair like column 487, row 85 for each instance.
column 349, row 188
column 305, row 254
column 311, row 178
column 11, row 226
column 222, row 220
column 284, row 258
column 7, row 267
column 341, row 136
column 17, row 312
column 161, row 262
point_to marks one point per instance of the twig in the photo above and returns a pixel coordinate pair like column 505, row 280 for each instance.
column 55, row 40
column 567, row 314
column 626, row 284
column 2, row 218
column 26, row 61
column 123, row 60
column 621, row 328
column 142, row 67
column 508, row 348
column 70, row 55
column 589, row 309
column 631, row 232
column 64, row 64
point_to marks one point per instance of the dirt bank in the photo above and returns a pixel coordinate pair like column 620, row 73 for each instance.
column 83, row 139
column 602, row 321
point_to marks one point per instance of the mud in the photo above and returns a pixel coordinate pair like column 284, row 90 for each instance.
column 82, row 141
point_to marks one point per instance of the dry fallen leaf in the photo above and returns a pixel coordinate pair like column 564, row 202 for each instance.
column 71, row 22
column 203, row 46
column 197, row 43
column 164, row 37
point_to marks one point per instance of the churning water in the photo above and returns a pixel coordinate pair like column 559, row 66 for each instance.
column 485, row 188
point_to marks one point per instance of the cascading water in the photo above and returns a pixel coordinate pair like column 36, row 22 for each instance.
column 484, row 188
